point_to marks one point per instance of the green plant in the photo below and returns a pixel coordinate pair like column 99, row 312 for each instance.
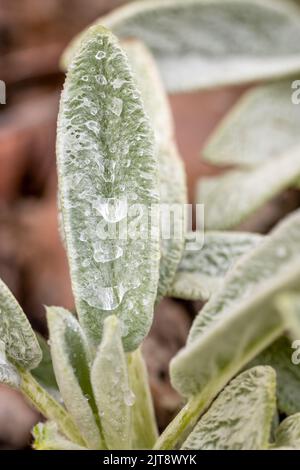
column 116, row 149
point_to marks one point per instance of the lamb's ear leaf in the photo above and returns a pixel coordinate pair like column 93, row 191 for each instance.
column 144, row 427
column 49, row 407
column 108, row 175
column 239, row 320
column 152, row 91
column 202, row 269
column 71, row 363
column 249, row 288
column 289, row 305
column 47, row 437
column 241, row 137
column 44, row 372
column 288, row 432
column 204, row 44
column 8, row 373
column 109, row 376
column 231, row 198
column 173, row 194
column 21, row 345
column 279, row 356
column 241, row 417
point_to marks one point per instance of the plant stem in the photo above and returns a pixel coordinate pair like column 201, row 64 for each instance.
column 49, row 407
column 178, row 429
column 143, row 418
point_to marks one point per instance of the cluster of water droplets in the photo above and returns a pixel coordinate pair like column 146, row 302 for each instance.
column 104, row 170
column 13, row 336
column 8, row 373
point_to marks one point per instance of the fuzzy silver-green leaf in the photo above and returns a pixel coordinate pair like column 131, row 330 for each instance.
column 49, row 407
column 108, row 181
column 279, row 356
column 240, row 319
column 44, row 372
column 263, row 124
column 289, row 305
column 201, row 271
column 8, row 373
column 288, row 432
column 173, row 194
column 241, row 417
column 111, row 388
column 21, row 345
column 144, row 428
column 231, row 198
column 71, row 362
column 200, row 44
column 48, row 437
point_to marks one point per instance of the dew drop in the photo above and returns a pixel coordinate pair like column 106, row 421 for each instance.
column 117, row 83
column 105, row 298
column 104, row 254
column 129, row 305
column 86, row 263
column 101, row 80
column 109, row 170
column 100, row 55
column 93, row 126
column 129, row 398
column 116, row 106
column 112, row 209
column 83, row 237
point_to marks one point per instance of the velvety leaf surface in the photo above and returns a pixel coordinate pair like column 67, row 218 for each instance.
column 111, row 388
column 8, row 373
column 144, row 428
column 279, row 356
column 288, row 432
column 241, row 416
column 49, row 407
column 44, row 372
column 71, row 362
column 200, row 44
column 201, row 271
column 21, row 345
column 171, row 171
column 289, row 305
column 263, row 124
column 47, row 437
column 108, row 180
column 240, row 320
column 231, row 198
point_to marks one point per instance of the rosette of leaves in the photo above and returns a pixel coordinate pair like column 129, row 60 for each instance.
column 115, row 148
column 93, row 393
